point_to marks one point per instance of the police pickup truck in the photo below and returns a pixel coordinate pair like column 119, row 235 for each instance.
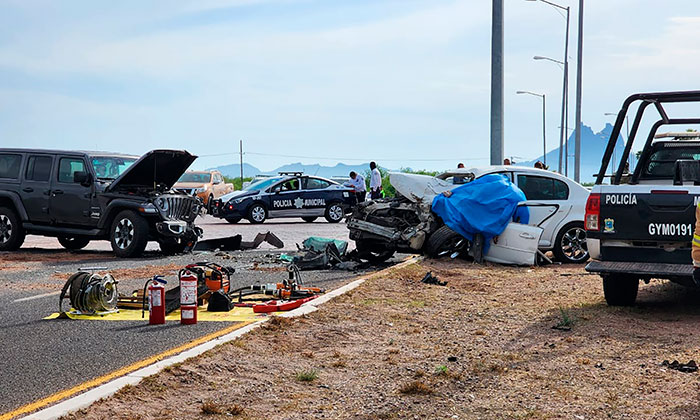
column 640, row 224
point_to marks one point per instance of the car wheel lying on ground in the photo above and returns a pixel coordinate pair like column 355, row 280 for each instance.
column 73, row 242
column 373, row 252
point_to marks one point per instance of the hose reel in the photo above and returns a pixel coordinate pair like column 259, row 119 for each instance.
column 90, row 293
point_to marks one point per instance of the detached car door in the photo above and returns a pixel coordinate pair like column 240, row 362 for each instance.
column 547, row 200
column 71, row 201
column 285, row 198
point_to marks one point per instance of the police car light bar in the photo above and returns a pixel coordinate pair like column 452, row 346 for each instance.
column 291, row 173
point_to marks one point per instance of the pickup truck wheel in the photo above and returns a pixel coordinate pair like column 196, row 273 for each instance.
column 233, row 220
column 257, row 214
column 11, row 231
column 335, row 213
column 210, row 204
column 73, row 243
column 129, row 234
column 445, row 241
column 620, row 290
column 373, row 253
column 570, row 245
column 309, row 219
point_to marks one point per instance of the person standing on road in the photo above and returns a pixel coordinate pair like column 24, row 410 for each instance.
column 357, row 182
column 375, row 182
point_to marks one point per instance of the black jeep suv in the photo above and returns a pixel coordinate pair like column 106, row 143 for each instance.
column 83, row 196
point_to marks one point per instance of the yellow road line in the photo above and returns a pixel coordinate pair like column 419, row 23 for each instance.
column 117, row 373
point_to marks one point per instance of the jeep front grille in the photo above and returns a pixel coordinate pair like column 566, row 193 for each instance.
column 181, row 208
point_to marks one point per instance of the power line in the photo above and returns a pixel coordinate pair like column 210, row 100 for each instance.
column 345, row 158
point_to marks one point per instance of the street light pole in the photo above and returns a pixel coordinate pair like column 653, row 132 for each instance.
column 579, row 77
column 497, row 83
column 544, row 125
column 563, row 140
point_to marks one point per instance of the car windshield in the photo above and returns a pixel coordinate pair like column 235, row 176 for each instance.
column 262, row 184
column 110, row 167
column 195, row 177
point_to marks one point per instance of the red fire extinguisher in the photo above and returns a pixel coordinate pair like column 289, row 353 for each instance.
column 154, row 290
column 188, row 297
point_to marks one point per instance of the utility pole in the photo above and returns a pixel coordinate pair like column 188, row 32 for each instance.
column 579, row 71
column 241, row 152
column 497, row 83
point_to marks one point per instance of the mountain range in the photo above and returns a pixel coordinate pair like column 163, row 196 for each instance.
column 339, row 170
column 592, row 148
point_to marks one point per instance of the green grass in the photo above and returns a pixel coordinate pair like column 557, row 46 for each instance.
column 307, row 375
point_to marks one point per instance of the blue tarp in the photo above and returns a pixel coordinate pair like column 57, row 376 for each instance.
column 485, row 205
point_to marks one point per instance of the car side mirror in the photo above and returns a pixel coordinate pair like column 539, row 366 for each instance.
column 217, row 182
column 83, row 178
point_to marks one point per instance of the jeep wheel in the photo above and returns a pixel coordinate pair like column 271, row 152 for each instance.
column 570, row 245
column 233, row 220
column 374, row 253
column 335, row 213
column 445, row 241
column 309, row 219
column 172, row 246
column 129, row 234
column 11, row 231
column 257, row 213
column 73, row 243
column 620, row 289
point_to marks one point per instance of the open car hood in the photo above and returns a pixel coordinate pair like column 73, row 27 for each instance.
column 157, row 167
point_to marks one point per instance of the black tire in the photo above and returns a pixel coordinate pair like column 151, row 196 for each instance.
column 373, row 253
column 444, row 241
column 257, row 213
column 334, row 212
column 12, row 233
column 172, row 246
column 73, row 243
column 309, row 219
column 128, row 234
column 620, row 289
column 233, row 220
column 570, row 244
column 210, row 204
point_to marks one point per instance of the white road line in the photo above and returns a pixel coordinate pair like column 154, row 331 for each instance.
column 36, row 297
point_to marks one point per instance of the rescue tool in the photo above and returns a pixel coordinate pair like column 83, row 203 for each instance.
column 90, row 293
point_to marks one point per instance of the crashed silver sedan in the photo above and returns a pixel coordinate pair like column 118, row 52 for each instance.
column 407, row 223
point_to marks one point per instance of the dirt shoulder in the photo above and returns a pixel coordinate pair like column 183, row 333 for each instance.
column 482, row 347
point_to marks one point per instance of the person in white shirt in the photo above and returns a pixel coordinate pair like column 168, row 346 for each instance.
column 375, row 182
column 357, row 182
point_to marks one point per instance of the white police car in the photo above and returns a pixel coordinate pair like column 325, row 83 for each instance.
column 291, row 194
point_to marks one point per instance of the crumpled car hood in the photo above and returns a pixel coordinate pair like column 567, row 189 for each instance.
column 419, row 188
column 157, row 167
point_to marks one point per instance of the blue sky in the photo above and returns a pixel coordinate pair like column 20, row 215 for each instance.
column 403, row 82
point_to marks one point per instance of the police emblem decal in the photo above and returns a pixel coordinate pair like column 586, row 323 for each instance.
column 609, row 225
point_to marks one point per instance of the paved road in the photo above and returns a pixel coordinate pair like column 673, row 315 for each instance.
column 42, row 357
column 291, row 231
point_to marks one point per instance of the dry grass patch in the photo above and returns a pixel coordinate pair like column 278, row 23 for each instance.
column 416, row 388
